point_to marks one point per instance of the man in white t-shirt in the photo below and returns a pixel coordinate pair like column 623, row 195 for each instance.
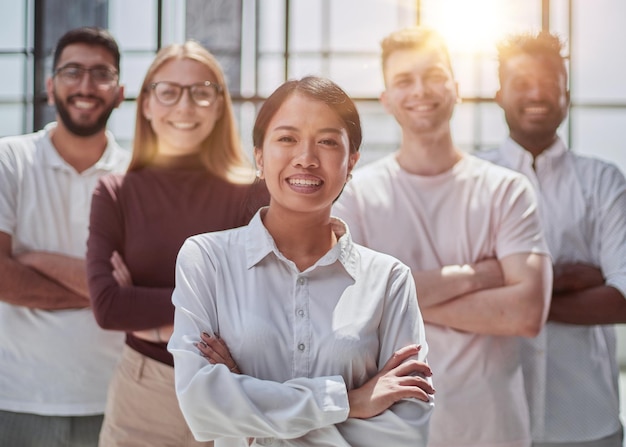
column 570, row 369
column 56, row 361
column 470, row 232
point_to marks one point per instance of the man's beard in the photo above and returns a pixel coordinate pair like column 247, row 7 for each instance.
column 81, row 130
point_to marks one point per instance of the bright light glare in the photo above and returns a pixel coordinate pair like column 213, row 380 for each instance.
column 469, row 26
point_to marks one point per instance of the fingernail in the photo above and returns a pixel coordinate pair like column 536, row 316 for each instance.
column 206, row 334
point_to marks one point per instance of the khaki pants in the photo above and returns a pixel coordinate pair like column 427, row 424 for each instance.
column 142, row 409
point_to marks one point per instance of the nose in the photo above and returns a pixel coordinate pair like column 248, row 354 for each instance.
column 185, row 99
column 86, row 83
column 306, row 155
column 536, row 89
column 419, row 87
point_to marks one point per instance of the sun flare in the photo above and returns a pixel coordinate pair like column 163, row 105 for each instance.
column 469, row 26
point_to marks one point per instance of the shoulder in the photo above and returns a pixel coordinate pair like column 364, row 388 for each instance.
column 495, row 174
column 19, row 147
column 221, row 246
column 376, row 261
column 110, row 184
column 381, row 168
column 493, row 155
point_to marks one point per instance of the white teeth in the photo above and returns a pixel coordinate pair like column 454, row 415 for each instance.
column 183, row 125
column 423, row 108
column 304, row 182
column 536, row 109
column 84, row 104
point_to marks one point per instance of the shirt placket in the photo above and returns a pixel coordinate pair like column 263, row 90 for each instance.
column 302, row 328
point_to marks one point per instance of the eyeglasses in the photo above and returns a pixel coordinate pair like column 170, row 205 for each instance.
column 72, row 75
column 202, row 93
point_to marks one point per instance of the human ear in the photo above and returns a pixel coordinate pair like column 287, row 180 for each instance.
column 258, row 159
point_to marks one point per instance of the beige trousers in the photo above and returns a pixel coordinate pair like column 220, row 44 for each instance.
column 142, row 409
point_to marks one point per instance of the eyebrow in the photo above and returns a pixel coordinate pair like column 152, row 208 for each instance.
column 324, row 130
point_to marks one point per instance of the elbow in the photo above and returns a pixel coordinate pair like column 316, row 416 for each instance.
column 533, row 320
column 531, row 328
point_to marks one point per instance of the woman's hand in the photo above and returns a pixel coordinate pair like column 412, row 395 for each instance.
column 214, row 349
column 121, row 274
column 399, row 379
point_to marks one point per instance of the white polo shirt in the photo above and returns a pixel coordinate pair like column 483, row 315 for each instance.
column 53, row 362
column 571, row 371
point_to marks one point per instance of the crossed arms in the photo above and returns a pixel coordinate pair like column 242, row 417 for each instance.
column 41, row 280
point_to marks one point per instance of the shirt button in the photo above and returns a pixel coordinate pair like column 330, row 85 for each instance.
column 301, row 280
column 301, row 346
column 300, row 313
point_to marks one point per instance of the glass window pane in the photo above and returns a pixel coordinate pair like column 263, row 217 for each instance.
column 360, row 25
column 598, row 66
column 271, row 25
column 381, row 133
column 133, row 23
column 122, row 123
column 134, row 68
column 493, row 128
column 12, row 76
column 13, row 25
column 358, row 76
column 270, row 74
column 306, row 31
column 11, row 119
column 600, row 133
column 307, row 65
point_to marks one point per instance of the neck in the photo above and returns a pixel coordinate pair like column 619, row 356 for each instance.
column 79, row 152
column 428, row 154
column 535, row 144
column 301, row 237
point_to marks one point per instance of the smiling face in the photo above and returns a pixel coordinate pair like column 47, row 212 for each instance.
column 84, row 108
column 535, row 99
column 420, row 89
column 305, row 158
column 181, row 128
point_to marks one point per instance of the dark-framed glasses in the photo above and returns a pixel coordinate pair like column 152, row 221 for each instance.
column 72, row 75
column 203, row 93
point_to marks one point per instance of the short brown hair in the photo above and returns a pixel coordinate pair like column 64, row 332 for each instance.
column 414, row 38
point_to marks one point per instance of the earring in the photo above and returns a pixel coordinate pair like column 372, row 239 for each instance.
column 349, row 177
column 259, row 173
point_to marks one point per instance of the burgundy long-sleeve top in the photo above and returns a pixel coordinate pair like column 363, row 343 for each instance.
column 146, row 215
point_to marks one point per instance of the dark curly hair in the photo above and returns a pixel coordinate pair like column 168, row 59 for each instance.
column 540, row 43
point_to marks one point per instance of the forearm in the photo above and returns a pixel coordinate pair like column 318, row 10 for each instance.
column 130, row 308
column 22, row 286
column 596, row 305
column 487, row 312
column 438, row 286
column 68, row 271
column 519, row 308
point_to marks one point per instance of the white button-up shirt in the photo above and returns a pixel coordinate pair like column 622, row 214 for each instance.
column 571, row 371
column 301, row 338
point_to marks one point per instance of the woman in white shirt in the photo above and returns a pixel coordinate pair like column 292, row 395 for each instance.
column 327, row 341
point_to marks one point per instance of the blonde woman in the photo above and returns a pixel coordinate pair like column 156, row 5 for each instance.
column 187, row 175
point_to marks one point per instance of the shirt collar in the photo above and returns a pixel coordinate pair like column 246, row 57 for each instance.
column 520, row 157
column 51, row 157
column 260, row 243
